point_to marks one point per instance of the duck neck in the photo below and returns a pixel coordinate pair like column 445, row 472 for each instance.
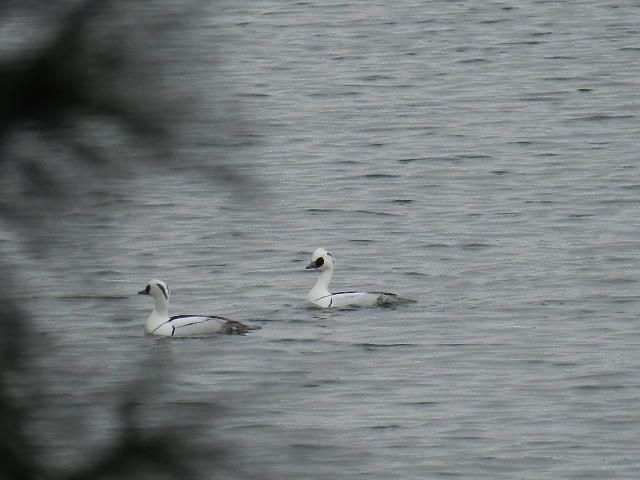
column 159, row 315
column 321, row 287
column 161, row 307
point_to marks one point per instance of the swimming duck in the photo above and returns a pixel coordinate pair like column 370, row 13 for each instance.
column 319, row 295
column 159, row 322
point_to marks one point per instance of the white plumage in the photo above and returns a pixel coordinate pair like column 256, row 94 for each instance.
column 160, row 323
column 319, row 296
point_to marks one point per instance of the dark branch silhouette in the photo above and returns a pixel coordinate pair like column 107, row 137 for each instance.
column 86, row 70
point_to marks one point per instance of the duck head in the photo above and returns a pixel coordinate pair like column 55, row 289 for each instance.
column 157, row 289
column 321, row 260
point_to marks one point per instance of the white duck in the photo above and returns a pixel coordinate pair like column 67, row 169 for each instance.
column 319, row 295
column 159, row 322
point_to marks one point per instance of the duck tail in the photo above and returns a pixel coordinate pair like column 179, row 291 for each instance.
column 233, row 327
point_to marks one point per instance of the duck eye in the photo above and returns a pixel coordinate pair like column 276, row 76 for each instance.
column 319, row 262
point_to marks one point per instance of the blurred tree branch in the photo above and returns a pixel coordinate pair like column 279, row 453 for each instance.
column 99, row 62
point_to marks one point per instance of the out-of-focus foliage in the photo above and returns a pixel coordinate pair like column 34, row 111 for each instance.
column 74, row 76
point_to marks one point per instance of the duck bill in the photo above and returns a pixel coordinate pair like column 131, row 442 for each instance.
column 311, row 266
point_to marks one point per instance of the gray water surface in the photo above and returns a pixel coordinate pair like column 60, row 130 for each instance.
column 481, row 158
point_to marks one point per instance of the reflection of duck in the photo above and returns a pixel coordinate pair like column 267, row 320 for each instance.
column 319, row 295
column 159, row 322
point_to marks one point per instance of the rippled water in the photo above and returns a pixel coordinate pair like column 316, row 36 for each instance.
column 480, row 158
